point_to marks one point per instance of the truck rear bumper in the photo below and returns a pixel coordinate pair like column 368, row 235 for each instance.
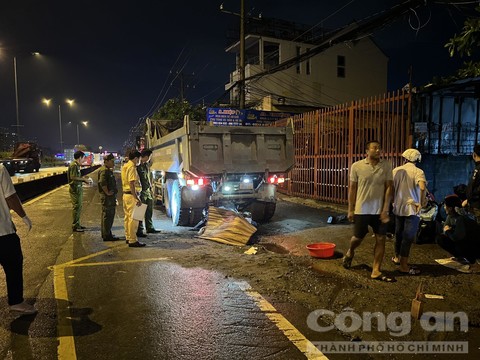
column 266, row 193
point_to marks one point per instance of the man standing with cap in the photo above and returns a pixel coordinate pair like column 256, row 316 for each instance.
column 409, row 196
column 146, row 195
column 76, row 180
column 107, row 187
column 131, row 187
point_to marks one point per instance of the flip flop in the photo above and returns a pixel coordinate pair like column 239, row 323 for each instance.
column 395, row 262
column 347, row 262
column 384, row 278
column 413, row 271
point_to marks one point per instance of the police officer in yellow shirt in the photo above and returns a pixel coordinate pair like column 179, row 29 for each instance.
column 131, row 188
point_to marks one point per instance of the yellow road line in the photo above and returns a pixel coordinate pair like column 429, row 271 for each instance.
column 285, row 326
column 118, row 262
column 66, row 340
column 66, row 347
column 70, row 263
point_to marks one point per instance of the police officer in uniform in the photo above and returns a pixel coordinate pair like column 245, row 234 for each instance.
column 107, row 186
column 146, row 195
column 131, row 187
column 76, row 180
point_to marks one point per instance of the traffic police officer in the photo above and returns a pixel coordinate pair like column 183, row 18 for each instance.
column 107, row 186
column 76, row 180
column 146, row 195
column 131, row 187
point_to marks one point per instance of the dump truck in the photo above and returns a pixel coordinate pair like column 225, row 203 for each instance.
column 25, row 157
column 195, row 165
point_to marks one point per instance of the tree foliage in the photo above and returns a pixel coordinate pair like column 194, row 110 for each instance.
column 466, row 45
column 175, row 109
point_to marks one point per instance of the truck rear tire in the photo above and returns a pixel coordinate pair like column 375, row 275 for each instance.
column 262, row 211
column 180, row 216
column 270, row 210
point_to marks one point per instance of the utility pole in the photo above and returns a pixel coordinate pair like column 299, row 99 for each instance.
column 184, row 83
column 16, row 97
column 241, row 67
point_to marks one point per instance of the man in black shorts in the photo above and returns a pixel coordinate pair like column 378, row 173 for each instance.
column 369, row 196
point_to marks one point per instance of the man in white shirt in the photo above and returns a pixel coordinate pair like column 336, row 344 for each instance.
column 409, row 192
column 11, row 257
column 369, row 195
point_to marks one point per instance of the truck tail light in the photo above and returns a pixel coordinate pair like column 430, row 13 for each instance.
column 276, row 179
column 197, row 182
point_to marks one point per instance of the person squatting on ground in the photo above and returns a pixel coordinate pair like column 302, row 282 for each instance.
column 460, row 232
column 76, row 180
column 409, row 190
column 369, row 196
column 146, row 195
column 107, row 187
column 131, row 187
column 11, row 257
column 473, row 187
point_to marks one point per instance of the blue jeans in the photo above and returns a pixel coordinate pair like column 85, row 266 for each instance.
column 406, row 228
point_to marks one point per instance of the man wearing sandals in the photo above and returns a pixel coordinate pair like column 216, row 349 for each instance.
column 369, row 195
column 409, row 186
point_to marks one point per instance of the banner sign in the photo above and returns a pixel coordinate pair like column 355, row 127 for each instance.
column 245, row 117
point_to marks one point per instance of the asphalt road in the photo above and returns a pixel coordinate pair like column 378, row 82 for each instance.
column 104, row 300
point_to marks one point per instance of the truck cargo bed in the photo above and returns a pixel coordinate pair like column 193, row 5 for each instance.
column 206, row 150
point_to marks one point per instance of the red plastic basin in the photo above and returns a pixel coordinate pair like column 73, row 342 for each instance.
column 321, row 250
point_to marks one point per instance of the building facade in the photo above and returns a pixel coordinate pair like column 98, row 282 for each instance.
column 342, row 73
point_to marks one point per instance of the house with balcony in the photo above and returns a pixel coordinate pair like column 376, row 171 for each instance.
column 344, row 72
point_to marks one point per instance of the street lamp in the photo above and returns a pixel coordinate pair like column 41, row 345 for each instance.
column 16, row 93
column 85, row 123
column 70, row 103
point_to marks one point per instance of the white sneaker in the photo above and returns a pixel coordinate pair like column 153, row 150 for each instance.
column 24, row 308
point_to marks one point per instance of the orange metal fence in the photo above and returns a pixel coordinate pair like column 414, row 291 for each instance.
column 328, row 141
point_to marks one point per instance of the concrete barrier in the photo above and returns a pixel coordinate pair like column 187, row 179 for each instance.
column 30, row 189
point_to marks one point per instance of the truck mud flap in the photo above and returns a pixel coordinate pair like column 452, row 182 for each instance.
column 167, row 195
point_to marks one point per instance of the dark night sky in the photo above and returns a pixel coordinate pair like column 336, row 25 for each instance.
column 114, row 57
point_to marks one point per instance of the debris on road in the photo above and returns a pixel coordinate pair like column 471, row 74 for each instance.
column 227, row 227
column 417, row 303
column 252, row 251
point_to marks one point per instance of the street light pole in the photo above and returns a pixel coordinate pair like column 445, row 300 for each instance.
column 16, row 97
column 16, row 93
column 47, row 103
column 60, row 126
column 242, row 54
column 84, row 123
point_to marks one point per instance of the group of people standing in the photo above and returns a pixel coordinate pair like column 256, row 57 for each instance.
column 374, row 186
column 137, row 188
